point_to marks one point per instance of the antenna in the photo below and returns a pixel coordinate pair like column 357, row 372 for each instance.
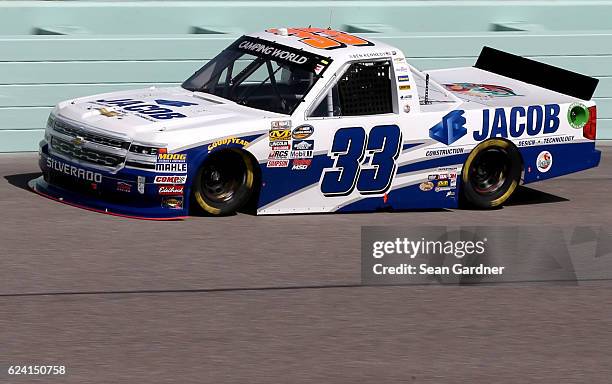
column 427, row 88
column 331, row 13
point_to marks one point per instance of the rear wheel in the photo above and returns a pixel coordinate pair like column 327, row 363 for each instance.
column 224, row 183
column 491, row 173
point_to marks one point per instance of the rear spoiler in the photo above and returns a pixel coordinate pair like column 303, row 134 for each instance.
column 536, row 73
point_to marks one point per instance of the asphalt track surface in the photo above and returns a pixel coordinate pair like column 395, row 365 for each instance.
column 277, row 299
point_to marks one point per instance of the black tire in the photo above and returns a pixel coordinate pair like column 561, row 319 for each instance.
column 224, row 183
column 491, row 173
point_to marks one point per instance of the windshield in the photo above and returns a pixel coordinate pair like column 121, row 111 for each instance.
column 260, row 74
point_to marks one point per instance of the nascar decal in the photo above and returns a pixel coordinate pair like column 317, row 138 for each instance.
column 323, row 38
column 302, row 132
column 155, row 111
column 171, row 163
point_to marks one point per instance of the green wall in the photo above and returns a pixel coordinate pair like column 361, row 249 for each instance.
column 51, row 51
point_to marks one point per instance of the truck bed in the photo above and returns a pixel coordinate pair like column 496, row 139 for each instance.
column 499, row 91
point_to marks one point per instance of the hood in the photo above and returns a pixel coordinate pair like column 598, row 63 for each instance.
column 141, row 114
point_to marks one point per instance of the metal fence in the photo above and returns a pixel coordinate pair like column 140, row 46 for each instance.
column 52, row 51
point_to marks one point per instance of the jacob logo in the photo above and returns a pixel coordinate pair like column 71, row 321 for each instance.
column 450, row 129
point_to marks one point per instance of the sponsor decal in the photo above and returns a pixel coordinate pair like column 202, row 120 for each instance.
column 483, row 91
column 399, row 59
column 442, row 183
column 276, row 155
column 301, row 154
column 272, row 51
column 73, row 171
column 402, row 78
column 172, row 202
column 171, row 167
column 172, row 190
column 432, row 177
column 124, row 187
column 302, row 132
column 174, row 179
column 545, row 140
column 174, row 103
column 141, row 184
column 303, row 144
column 281, row 124
column 407, row 108
column 544, row 161
column 518, row 121
column 450, row 129
column 444, row 152
column 280, row 143
column 450, row 194
column 577, row 115
column 279, row 134
column 426, row 186
column 228, row 141
column 301, row 164
column 319, row 68
column 302, row 149
column 171, row 163
column 149, row 110
column 404, row 87
column 283, row 147
column 405, row 97
column 278, row 163
column 171, row 158
column 322, row 38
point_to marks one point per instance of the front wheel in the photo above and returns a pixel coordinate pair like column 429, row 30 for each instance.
column 491, row 173
column 224, row 183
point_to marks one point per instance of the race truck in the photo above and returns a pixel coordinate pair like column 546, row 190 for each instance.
column 299, row 120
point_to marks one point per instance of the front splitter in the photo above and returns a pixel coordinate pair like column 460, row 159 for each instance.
column 41, row 187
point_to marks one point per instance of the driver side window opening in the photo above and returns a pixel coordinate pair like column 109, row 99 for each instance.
column 364, row 89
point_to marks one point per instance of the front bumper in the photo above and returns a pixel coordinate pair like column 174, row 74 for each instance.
column 129, row 192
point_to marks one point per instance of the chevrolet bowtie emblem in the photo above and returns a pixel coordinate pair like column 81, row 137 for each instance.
column 107, row 113
column 77, row 140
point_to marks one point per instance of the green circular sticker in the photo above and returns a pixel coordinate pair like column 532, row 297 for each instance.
column 577, row 115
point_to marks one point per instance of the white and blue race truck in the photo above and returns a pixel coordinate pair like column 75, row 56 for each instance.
column 297, row 120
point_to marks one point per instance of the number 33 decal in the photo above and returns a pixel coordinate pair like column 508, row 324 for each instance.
column 370, row 166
